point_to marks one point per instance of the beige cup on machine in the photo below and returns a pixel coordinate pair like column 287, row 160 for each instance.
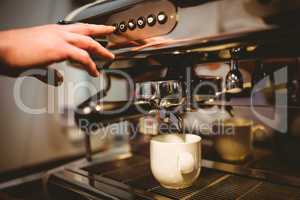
column 233, row 138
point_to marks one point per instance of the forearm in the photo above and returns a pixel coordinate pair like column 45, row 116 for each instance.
column 4, row 68
column 10, row 56
column 4, row 45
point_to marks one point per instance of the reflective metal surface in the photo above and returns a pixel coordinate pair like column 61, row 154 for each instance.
column 164, row 93
column 130, row 178
column 234, row 79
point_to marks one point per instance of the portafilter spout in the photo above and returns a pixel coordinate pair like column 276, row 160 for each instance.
column 156, row 96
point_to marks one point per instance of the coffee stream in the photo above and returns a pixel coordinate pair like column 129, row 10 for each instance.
column 168, row 110
column 173, row 120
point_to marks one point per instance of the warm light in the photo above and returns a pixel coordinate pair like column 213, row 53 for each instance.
column 98, row 108
column 211, row 100
column 251, row 48
column 87, row 110
column 225, row 54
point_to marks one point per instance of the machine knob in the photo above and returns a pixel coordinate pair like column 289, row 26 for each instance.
column 162, row 18
column 141, row 22
column 117, row 28
column 151, row 20
column 131, row 24
column 123, row 27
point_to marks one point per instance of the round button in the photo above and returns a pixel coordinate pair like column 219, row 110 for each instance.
column 141, row 22
column 151, row 20
column 117, row 28
column 122, row 27
column 131, row 24
column 162, row 18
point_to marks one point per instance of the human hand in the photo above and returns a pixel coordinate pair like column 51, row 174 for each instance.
column 41, row 46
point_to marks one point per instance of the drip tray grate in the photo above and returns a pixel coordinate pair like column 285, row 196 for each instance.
column 136, row 173
column 127, row 174
column 206, row 177
column 271, row 191
column 144, row 183
column 229, row 188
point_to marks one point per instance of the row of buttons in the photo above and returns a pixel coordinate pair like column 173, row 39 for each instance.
column 141, row 22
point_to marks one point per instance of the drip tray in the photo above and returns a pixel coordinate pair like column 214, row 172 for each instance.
column 212, row 184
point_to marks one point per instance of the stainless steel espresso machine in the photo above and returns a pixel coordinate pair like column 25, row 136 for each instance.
column 194, row 66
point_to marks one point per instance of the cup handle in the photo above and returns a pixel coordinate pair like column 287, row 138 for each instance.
column 258, row 128
column 186, row 162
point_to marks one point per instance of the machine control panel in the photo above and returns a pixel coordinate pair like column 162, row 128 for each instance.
column 142, row 21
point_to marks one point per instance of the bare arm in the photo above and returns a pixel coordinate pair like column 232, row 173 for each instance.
column 41, row 46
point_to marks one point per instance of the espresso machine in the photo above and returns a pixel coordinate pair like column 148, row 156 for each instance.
column 171, row 52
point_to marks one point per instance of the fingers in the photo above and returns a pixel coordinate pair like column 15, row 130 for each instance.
column 88, row 44
column 80, row 43
column 89, row 29
column 82, row 57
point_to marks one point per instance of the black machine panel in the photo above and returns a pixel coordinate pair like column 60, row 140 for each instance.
column 143, row 21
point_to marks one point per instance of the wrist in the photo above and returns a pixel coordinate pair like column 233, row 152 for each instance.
column 4, row 49
column 4, row 53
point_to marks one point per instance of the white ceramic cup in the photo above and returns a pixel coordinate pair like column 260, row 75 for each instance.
column 176, row 159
